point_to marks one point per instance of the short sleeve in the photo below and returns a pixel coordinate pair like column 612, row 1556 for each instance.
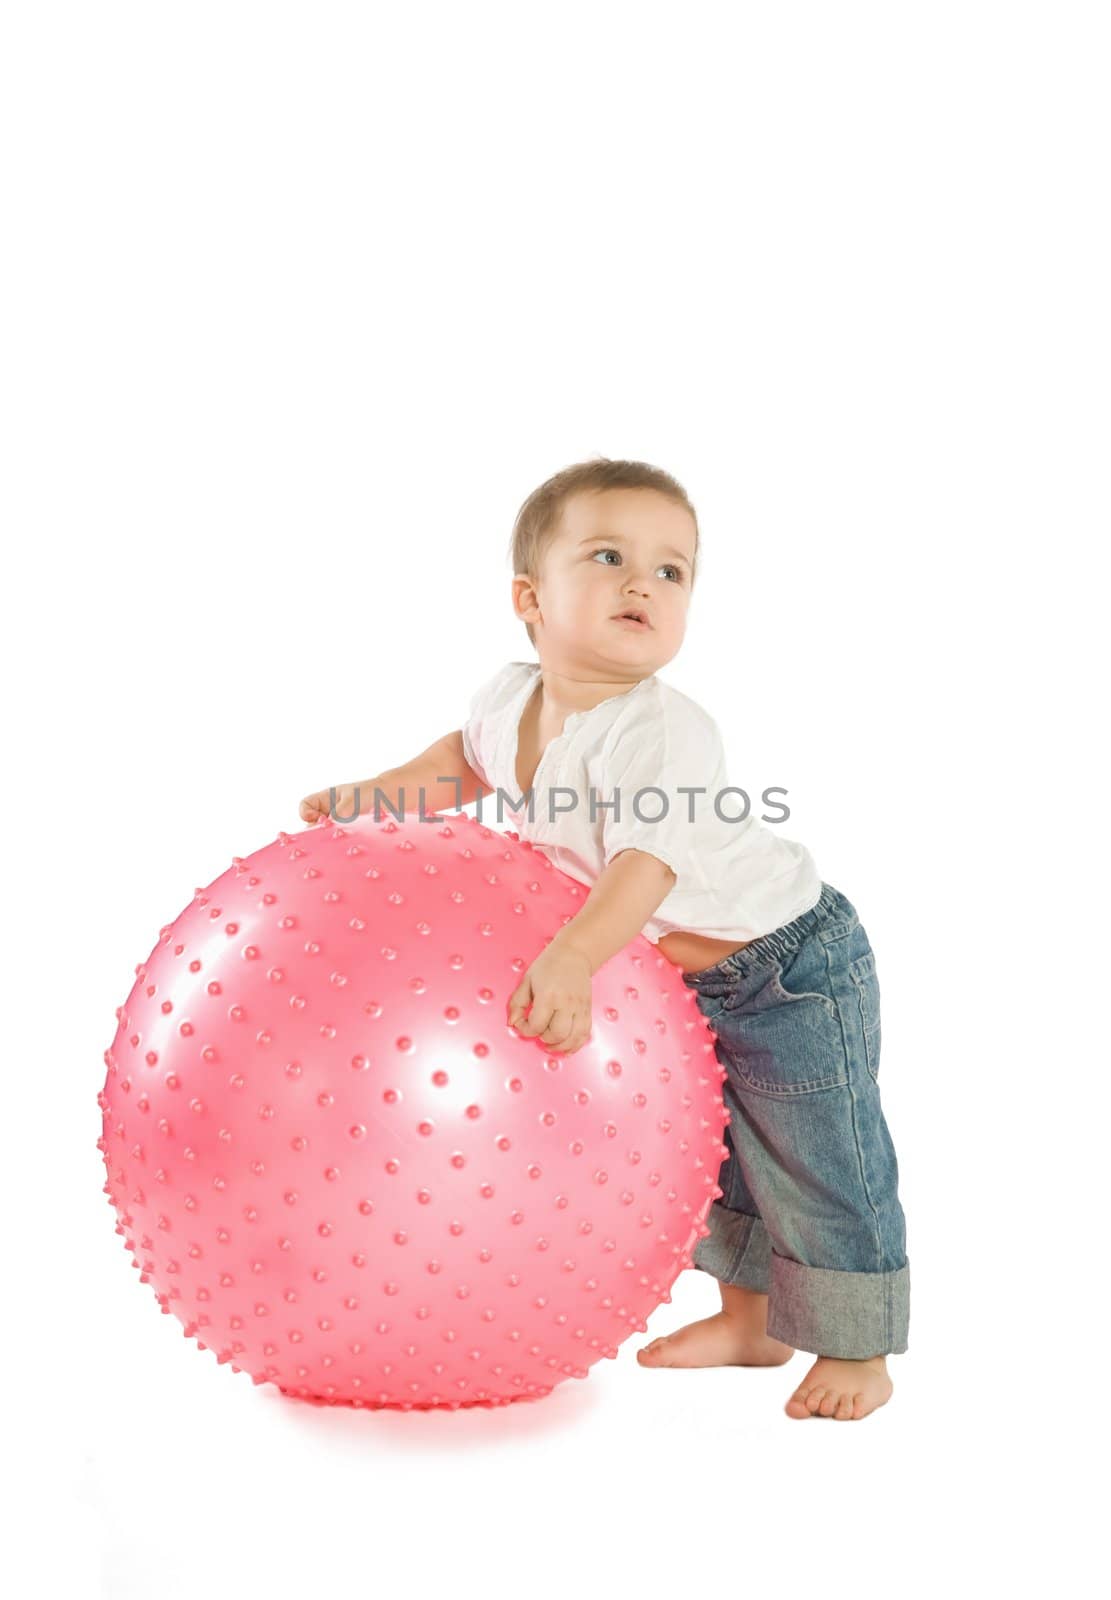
column 647, row 770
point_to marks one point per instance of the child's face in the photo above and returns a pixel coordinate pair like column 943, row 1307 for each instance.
column 615, row 550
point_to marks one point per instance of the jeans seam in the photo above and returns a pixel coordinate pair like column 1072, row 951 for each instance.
column 856, row 1133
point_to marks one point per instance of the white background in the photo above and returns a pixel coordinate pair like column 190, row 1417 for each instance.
column 301, row 302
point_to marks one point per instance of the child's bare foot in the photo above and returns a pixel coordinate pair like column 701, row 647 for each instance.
column 735, row 1336
column 844, row 1390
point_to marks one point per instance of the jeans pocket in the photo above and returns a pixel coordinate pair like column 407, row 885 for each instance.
column 864, row 976
column 787, row 996
column 802, row 978
column 783, row 1042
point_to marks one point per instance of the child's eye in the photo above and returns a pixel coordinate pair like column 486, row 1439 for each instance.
column 610, row 551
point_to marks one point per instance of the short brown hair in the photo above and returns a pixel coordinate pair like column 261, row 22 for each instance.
column 538, row 518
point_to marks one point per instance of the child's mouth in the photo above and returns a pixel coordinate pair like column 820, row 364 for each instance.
column 633, row 622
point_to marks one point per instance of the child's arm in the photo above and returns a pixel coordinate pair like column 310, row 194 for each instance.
column 619, row 904
column 558, row 983
column 442, row 760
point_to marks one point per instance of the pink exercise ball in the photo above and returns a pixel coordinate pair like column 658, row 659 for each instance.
column 345, row 1173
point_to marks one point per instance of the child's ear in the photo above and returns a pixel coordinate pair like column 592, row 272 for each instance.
column 525, row 599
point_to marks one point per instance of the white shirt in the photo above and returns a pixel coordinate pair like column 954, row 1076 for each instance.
column 735, row 879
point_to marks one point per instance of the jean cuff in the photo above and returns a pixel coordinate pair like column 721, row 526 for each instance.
column 736, row 1250
column 848, row 1314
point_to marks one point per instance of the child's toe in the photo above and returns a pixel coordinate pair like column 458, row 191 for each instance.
column 844, row 1412
column 796, row 1405
column 830, row 1401
column 815, row 1398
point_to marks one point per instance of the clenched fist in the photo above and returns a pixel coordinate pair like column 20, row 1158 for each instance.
column 315, row 806
column 556, row 991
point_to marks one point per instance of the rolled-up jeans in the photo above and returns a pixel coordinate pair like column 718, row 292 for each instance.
column 809, row 1212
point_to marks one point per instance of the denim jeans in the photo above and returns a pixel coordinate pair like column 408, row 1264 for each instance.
column 809, row 1212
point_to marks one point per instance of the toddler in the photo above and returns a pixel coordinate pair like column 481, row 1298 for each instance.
column 621, row 781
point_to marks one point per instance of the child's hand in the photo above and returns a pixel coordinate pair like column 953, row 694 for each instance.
column 557, row 987
column 315, row 806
